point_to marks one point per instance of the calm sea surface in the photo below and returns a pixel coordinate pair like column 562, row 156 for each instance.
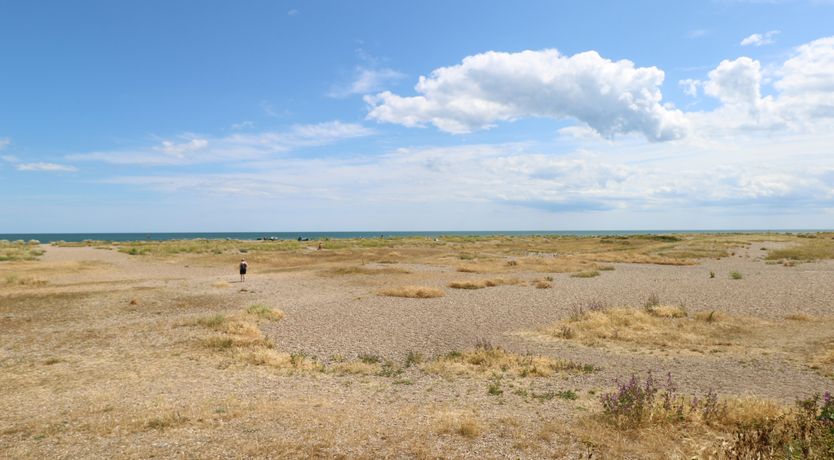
column 50, row 237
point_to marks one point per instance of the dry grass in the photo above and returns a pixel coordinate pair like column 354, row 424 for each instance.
column 660, row 437
column 239, row 335
column 483, row 361
column 666, row 311
column 264, row 312
column 356, row 368
column 820, row 247
column 17, row 280
column 480, row 284
column 459, row 423
column 665, row 327
column 585, row 274
column 798, row 317
column 543, row 284
column 340, row 271
column 822, row 357
column 415, row 292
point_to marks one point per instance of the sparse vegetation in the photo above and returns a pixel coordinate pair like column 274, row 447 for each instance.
column 495, row 360
column 736, row 275
column 168, row 330
column 585, row 274
column 20, row 250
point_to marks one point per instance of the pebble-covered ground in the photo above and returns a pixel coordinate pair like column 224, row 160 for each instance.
column 102, row 361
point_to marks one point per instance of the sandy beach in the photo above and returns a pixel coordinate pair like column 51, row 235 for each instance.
column 108, row 353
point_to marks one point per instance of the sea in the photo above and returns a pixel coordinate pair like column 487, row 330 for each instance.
column 75, row 237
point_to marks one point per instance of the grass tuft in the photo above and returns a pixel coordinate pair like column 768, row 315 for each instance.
column 585, row 274
column 264, row 312
column 415, row 292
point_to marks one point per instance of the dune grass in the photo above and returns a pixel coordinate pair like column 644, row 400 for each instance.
column 585, row 274
column 19, row 250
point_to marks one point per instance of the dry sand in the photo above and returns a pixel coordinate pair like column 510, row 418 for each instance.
column 88, row 373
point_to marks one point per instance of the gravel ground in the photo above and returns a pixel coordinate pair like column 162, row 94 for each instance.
column 104, row 355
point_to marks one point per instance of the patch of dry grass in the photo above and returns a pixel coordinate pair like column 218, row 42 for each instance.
column 655, row 327
column 415, row 292
column 805, row 249
column 460, row 423
column 240, row 335
column 480, row 284
column 798, row 317
column 666, row 311
column 264, row 312
column 490, row 361
column 543, row 284
column 585, row 274
column 17, row 280
column 339, row 271
column 356, row 368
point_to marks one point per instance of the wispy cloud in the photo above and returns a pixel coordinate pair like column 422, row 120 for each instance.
column 37, row 166
column 242, row 125
column 42, row 166
column 598, row 176
column 4, row 142
column 193, row 149
column 368, row 77
column 760, row 39
column 366, row 80
column 697, row 33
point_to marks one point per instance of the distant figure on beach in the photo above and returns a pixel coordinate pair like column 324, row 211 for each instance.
column 243, row 267
column 319, row 246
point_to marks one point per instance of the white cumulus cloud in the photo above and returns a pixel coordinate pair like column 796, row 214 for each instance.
column 736, row 82
column 806, row 81
column 612, row 97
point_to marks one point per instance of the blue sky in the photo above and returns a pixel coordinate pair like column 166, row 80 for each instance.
column 465, row 115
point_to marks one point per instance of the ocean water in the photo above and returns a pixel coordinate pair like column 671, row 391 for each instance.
column 50, row 237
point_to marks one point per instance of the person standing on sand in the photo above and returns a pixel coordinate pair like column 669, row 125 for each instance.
column 243, row 267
